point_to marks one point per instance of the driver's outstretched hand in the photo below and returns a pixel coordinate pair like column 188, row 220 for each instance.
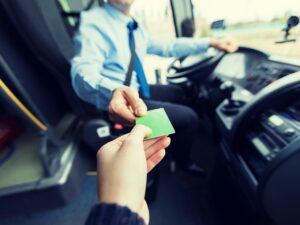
column 226, row 45
column 125, row 105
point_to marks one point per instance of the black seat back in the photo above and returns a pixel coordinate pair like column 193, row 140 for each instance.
column 23, row 74
column 44, row 30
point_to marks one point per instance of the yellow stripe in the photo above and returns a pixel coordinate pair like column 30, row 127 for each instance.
column 66, row 7
column 22, row 107
column 92, row 174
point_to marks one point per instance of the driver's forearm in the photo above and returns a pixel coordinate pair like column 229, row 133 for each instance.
column 214, row 43
column 179, row 47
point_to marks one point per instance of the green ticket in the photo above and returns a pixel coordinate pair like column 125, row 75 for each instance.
column 158, row 121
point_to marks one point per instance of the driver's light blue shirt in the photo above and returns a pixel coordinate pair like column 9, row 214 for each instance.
column 103, row 54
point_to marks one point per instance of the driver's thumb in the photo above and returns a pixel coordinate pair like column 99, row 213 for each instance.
column 136, row 103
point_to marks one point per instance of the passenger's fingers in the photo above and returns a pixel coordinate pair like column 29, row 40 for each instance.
column 157, row 146
column 135, row 139
column 155, row 159
column 113, row 145
column 139, row 132
column 121, row 138
column 144, row 213
column 151, row 141
column 109, row 149
column 136, row 103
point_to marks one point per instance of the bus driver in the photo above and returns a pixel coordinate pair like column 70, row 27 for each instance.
column 107, row 41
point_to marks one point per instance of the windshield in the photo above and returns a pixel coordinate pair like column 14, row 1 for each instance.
column 253, row 23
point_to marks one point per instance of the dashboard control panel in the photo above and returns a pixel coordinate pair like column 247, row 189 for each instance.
column 269, row 135
column 264, row 74
column 275, row 132
column 252, row 70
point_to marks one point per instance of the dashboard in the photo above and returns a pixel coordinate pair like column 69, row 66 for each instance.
column 256, row 110
column 259, row 122
column 252, row 69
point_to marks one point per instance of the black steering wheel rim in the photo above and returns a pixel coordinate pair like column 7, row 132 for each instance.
column 206, row 65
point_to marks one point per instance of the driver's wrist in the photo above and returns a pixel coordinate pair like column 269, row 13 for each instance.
column 214, row 43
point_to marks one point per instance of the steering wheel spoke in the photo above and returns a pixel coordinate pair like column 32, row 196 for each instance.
column 195, row 67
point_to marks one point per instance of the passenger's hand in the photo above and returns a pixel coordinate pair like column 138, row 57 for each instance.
column 226, row 45
column 125, row 105
column 123, row 165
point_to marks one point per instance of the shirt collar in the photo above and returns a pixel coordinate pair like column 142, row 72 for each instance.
column 115, row 13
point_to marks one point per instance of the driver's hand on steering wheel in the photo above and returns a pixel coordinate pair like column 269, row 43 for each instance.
column 226, row 45
column 125, row 105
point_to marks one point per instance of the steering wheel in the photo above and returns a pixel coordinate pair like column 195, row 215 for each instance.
column 195, row 67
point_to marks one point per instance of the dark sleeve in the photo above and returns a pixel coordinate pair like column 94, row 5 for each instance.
column 111, row 214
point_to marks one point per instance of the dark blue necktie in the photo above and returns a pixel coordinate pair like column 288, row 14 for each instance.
column 138, row 67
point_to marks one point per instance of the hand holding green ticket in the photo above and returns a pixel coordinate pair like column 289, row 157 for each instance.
column 158, row 121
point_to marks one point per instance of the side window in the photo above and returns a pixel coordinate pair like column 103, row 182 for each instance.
column 156, row 17
column 75, row 6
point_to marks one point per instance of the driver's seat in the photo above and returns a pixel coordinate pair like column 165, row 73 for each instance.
column 49, row 37
column 46, row 31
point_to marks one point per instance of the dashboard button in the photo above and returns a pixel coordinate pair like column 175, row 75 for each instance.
column 289, row 132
